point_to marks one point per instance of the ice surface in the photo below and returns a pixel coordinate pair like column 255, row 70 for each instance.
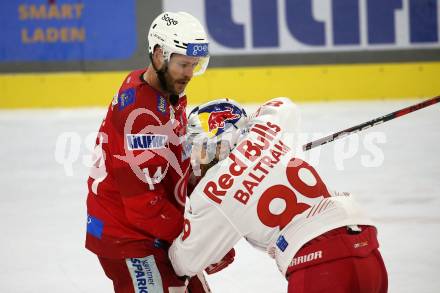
column 43, row 209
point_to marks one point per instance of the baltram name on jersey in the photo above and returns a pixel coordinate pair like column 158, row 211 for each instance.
column 251, row 149
column 146, row 141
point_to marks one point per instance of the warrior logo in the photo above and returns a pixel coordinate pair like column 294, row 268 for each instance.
column 217, row 119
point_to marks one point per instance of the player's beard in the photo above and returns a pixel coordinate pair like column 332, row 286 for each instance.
column 168, row 83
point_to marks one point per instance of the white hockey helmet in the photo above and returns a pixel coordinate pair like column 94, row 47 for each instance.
column 181, row 33
column 218, row 121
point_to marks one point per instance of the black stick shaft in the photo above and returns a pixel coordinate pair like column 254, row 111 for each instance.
column 368, row 124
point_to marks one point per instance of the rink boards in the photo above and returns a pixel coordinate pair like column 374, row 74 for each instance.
column 245, row 84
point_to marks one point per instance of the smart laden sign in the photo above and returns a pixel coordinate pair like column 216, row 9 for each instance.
column 67, row 30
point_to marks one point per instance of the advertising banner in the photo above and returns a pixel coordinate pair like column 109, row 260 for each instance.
column 67, row 30
column 301, row 26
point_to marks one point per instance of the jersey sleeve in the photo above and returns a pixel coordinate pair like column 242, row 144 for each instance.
column 281, row 111
column 206, row 238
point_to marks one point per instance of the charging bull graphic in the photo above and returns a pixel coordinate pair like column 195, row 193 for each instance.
column 217, row 119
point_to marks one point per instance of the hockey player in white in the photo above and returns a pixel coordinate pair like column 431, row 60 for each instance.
column 254, row 186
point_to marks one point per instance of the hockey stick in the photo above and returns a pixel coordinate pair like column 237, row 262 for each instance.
column 368, row 124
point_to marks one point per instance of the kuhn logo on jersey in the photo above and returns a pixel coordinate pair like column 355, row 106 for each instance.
column 217, row 119
column 146, row 141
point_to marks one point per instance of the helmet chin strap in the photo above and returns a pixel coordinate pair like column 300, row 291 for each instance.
column 173, row 98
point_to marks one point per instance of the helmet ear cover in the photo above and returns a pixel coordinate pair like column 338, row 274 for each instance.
column 151, row 55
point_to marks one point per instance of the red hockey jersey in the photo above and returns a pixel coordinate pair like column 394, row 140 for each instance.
column 137, row 186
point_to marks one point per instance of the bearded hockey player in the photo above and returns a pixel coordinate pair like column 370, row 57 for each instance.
column 137, row 188
column 254, row 186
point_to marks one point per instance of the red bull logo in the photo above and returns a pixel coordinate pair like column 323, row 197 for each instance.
column 217, row 119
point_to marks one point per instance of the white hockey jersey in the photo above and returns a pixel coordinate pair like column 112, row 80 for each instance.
column 263, row 193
